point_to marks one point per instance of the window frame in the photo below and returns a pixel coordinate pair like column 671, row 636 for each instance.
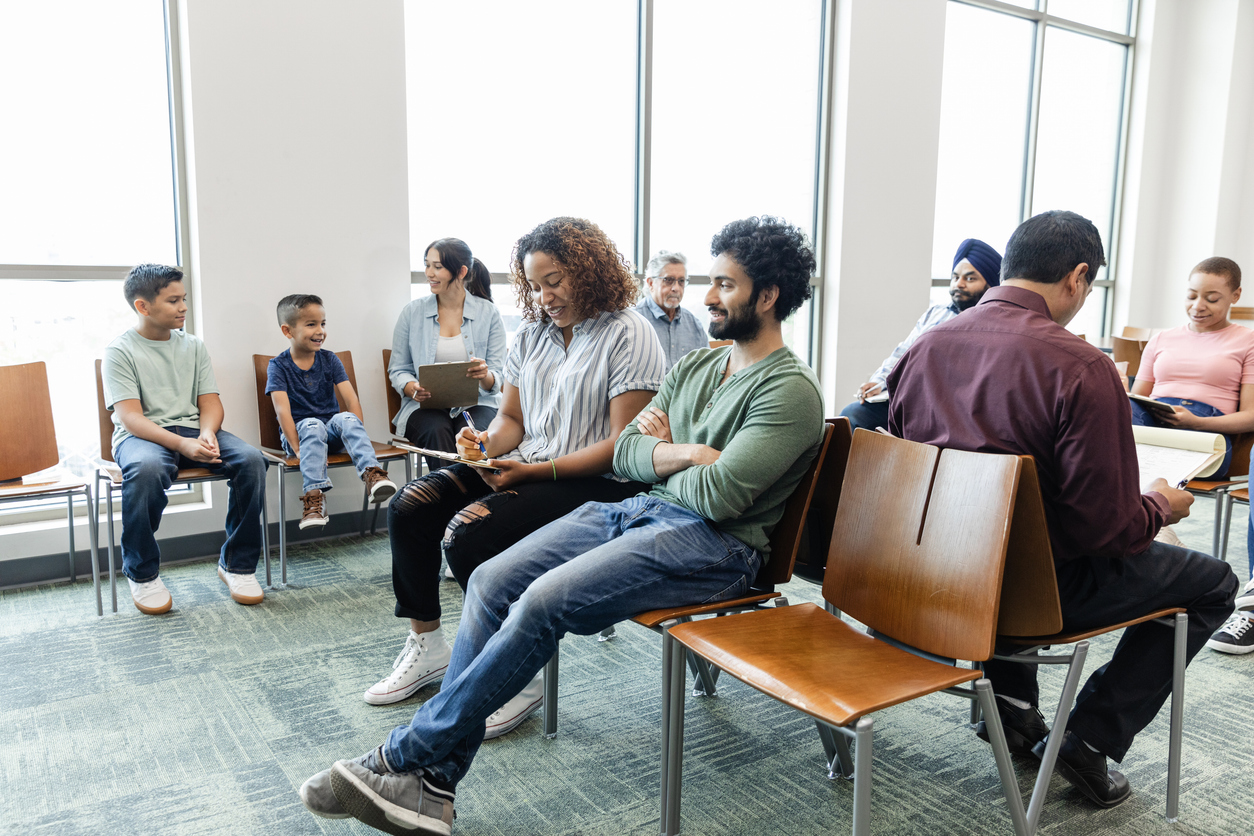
column 38, row 511
column 1042, row 20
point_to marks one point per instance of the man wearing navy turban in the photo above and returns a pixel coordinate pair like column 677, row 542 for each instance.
column 977, row 267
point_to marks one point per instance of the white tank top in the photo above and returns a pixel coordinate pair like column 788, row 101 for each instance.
column 451, row 350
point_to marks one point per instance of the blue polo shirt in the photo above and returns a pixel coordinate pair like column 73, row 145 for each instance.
column 311, row 394
column 679, row 335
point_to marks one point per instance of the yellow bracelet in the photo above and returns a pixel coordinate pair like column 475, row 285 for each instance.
column 554, row 464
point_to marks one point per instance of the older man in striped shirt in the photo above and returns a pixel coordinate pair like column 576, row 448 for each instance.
column 724, row 443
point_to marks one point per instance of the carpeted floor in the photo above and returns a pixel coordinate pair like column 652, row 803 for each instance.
column 206, row 720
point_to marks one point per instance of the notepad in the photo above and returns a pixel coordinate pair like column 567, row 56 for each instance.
column 1176, row 455
column 1155, row 406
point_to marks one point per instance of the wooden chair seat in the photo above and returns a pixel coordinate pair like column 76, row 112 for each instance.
column 809, row 659
column 381, row 451
column 653, row 618
column 31, row 489
column 185, row 475
column 1081, row 635
column 1206, row 486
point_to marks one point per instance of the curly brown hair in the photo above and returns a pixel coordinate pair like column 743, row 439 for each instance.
column 596, row 273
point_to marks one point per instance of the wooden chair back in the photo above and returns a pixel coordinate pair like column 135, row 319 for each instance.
column 719, row 343
column 267, row 420
column 394, row 397
column 1132, row 333
column 1241, row 448
column 812, row 554
column 786, row 537
column 106, row 421
column 28, row 439
column 1127, row 350
column 919, row 545
column 1029, row 590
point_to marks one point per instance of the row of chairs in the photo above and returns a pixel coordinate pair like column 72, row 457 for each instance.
column 934, row 578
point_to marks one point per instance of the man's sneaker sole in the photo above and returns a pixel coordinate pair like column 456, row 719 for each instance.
column 382, row 491
column 366, row 806
column 408, row 691
column 1227, row 647
column 164, row 608
column 318, row 523
column 500, row 729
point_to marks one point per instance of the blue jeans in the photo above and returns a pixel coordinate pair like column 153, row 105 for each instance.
column 1144, row 418
column 868, row 416
column 598, row 565
column 343, row 432
column 149, row 469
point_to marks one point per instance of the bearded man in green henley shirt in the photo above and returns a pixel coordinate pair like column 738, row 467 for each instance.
column 724, row 444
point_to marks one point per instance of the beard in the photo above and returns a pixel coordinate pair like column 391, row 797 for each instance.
column 965, row 300
column 741, row 323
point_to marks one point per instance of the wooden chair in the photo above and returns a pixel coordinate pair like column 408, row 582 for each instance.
column 1238, row 496
column 1132, row 333
column 913, row 559
column 1216, row 489
column 1127, row 350
column 272, row 449
column 28, row 444
column 719, row 343
column 109, row 479
column 394, row 407
column 826, row 470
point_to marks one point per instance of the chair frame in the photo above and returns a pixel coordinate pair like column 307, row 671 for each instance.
column 33, row 410
column 108, row 478
column 276, row 456
column 785, row 542
column 1238, row 477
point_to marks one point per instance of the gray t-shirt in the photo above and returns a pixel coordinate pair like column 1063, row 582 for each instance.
column 166, row 376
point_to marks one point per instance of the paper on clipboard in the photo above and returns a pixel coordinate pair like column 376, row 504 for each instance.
column 452, row 457
column 448, row 385
column 1176, row 455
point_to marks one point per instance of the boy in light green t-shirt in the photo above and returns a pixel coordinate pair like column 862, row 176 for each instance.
column 159, row 384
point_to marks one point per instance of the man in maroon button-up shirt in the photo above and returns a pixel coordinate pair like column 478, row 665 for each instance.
column 1007, row 377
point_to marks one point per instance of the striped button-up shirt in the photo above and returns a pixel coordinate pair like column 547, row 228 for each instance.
column 565, row 392
column 934, row 316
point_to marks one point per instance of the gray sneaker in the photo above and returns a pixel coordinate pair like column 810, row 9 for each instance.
column 318, row 799
column 398, row 803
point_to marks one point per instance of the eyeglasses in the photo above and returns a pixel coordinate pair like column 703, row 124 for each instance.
column 666, row 282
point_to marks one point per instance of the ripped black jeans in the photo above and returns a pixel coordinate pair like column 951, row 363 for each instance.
column 454, row 509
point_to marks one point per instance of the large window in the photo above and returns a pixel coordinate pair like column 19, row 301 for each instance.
column 87, row 188
column 1032, row 118
column 645, row 116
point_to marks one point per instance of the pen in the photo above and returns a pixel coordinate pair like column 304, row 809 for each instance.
column 470, row 423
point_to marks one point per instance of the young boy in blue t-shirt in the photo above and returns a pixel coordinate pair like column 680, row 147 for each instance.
column 303, row 382
column 159, row 384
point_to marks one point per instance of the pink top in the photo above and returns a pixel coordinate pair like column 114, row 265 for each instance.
column 1209, row 367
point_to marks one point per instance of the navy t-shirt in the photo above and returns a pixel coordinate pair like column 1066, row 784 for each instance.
column 311, row 394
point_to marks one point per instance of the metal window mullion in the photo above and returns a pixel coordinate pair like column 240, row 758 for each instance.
column 62, row 272
column 178, row 159
column 822, row 178
column 1043, row 16
column 644, row 128
column 1121, row 166
column 1034, row 118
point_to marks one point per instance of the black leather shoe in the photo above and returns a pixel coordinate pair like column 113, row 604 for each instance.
column 1087, row 772
column 1024, row 727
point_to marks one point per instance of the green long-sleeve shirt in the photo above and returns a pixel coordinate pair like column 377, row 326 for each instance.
column 766, row 421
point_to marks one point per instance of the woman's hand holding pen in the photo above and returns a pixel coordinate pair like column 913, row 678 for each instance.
column 413, row 390
column 468, row 444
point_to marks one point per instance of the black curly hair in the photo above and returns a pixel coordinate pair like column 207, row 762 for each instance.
column 772, row 252
column 596, row 273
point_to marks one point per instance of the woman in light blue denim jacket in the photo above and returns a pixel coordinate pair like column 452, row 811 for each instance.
column 458, row 322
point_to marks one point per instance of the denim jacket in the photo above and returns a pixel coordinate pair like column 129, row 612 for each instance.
column 415, row 338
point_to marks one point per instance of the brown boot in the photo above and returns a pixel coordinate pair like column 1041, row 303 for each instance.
column 315, row 509
column 378, row 483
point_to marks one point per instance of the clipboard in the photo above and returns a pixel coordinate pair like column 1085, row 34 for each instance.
column 1155, row 406
column 1176, row 455
column 451, row 457
column 448, row 385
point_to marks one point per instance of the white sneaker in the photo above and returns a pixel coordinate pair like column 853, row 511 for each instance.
column 1168, row 535
column 423, row 659
column 448, row 572
column 244, row 588
column 1245, row 601
column 509, row 716
column 151, row 597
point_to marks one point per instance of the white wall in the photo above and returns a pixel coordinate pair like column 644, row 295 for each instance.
column 884, row 142
column 296, row 143
column 1189, row 176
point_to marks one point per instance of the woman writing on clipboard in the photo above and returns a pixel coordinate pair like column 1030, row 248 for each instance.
column 456, row 323
column 583, row 365
column 1205, row 370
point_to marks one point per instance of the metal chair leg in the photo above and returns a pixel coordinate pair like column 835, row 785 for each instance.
column 862, row 777
column 674, row 742
column 113, row 580
column 1177, row 718
column 1054, row 742
column 282, row 527
column 365, row 506
column 550, row 696
column 265, row 532
column 1001, row 756
column 93, row 532
column 1215, row 532
column 69, row 516
column 1226, row 501
column 607, row 634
